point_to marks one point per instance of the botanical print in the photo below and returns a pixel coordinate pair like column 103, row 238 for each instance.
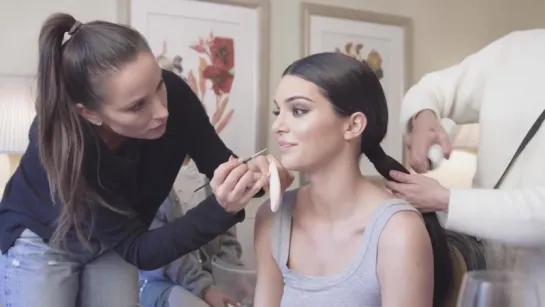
column 215, row 74
column 374, row 59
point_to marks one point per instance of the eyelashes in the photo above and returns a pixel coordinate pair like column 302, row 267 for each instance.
column 295, row 112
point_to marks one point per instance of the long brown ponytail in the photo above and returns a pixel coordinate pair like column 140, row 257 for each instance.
column 69, row 72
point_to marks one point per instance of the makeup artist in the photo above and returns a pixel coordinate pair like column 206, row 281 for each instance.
column 110, row 135
column 501, row 88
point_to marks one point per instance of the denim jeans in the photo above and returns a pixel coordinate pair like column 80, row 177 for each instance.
column 163, row 293
column 34, row 274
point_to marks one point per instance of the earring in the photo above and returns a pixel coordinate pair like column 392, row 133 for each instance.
column 98, row 123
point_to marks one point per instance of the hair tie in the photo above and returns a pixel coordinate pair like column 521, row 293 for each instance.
column 75, row 27
column 68, row 35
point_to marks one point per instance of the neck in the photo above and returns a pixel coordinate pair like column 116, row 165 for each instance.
column 112, row 140
column 334, row 189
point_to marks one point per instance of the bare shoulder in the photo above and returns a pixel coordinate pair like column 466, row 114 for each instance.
column 263, row 220
column 405, row 261
column 405, row 229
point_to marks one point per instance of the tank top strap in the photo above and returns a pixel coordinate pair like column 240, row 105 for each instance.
column 281, row 228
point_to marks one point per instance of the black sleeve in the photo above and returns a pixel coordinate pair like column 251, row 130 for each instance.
column 152, row 249
column 205, row 146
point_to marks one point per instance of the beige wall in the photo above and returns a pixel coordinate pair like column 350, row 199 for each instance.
column 444, row 32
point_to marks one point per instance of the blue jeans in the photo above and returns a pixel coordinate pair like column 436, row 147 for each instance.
column 164, row 293
column 34, row 274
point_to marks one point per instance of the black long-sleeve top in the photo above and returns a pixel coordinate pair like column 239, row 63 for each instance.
column 138, row 185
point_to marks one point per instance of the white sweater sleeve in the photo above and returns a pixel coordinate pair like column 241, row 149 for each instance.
column 456, row 92
column 513, row 216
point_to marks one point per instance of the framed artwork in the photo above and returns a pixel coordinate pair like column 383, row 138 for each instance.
column 383, row 41
column 221, row 49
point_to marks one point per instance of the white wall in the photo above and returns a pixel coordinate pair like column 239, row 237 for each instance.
column 445, row 31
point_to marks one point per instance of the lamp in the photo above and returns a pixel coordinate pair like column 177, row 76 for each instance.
column 16, row 115
column 16, row 112
column 467, row 138
column 459, row 169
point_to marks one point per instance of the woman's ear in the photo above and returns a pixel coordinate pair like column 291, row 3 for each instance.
column 89, row 115
column 355, row 126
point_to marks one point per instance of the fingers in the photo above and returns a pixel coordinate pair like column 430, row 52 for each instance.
column 243, row 183
column 260, row 164
column 401, row 177
column 221, row 173
column 418, row 155
column 445, row 143
column 393, row 186
column 258, row 185
column 235, row 177
column 286, row 177
column 231, row 301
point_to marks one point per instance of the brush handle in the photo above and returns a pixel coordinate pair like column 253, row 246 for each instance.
column 243, row 161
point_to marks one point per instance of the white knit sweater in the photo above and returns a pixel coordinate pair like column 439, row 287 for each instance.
column 501, row 87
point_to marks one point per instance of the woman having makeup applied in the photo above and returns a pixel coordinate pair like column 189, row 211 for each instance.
column 341, row 240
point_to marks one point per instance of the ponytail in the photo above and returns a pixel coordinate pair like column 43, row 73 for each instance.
column 68, row 75
column 61, row 139
column 442, row 261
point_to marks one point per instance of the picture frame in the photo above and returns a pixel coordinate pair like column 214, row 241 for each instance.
column 222, row 52
column 384, row 41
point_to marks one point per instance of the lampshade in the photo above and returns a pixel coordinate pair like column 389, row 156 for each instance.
column 467, row 138
column 17, row 96
column 464, row 137
column 458, row 170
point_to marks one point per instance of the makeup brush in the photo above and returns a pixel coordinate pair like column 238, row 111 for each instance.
column 243, row 161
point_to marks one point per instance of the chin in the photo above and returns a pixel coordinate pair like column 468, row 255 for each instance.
column 156, row 133
column 294, row 162
column 151, row 134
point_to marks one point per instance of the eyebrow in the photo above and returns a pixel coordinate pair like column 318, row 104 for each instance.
column 137, row 101
column 293, row 98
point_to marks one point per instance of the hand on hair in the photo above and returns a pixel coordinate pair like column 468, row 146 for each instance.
column 260, row 164
column 426, row 131
column 424, row 193
column 234, row 184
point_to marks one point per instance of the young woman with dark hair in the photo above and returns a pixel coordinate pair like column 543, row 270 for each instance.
column 342, row 240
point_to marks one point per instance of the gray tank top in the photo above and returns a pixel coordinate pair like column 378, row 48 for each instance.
column 356, row 286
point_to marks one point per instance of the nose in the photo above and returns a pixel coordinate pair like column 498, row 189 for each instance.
column 160, row 110
column 279, row 124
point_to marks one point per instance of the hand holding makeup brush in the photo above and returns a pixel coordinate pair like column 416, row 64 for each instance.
column 260, row 165
column 234, row 184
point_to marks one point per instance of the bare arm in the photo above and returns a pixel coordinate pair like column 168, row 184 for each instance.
column 405, row 262
column 270, row 287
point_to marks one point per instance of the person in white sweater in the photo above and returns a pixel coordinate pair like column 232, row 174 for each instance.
column 501, row 87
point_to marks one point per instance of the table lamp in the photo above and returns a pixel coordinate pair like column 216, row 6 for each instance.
column 17, row 96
